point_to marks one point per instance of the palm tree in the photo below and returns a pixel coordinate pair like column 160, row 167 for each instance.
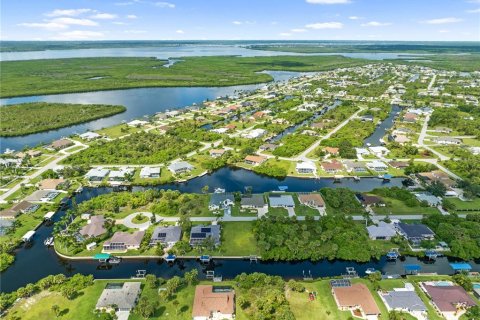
column 56, row 310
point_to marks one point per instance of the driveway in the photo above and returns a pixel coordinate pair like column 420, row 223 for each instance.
column 291, row 211
column 122, row 315
column 127, row 222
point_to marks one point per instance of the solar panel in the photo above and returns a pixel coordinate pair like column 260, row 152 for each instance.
column 199, row 235
column 206, row 230
column 339, row 283
column 162, row 235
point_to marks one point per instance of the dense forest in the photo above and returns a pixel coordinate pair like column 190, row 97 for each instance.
column 138, row 148
column 27, row 118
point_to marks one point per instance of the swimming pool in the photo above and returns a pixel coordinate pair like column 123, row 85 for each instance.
column 476, row 286
column 443, row 284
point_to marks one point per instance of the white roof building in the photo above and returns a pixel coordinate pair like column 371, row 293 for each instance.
column 89, row 135
column 149, row 172
column 96, row 173
column 136, row 123
column 306, row 167
column 255, row 133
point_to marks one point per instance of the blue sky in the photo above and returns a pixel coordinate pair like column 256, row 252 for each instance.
column 241, row 20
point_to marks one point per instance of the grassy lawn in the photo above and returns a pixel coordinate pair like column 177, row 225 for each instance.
column 472, row 142
column 165, row 176
column 394, row 206
column 466, row 205
column 237, row 211
column 117, row 131
column 277, row 212
column 302, row 210
column 238, row 239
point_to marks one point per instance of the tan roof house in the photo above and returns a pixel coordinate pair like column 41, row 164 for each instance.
column 51, row 184
column 356, row 298
column 123, row 241
column 213, row 303
column 314, row 200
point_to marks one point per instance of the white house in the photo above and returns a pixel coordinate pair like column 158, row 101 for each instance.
column 149, row 172
column 377, row 166
column 306, row 167
column 137, row 123
column 255, row 133
column 89, row 136
column 97, row 174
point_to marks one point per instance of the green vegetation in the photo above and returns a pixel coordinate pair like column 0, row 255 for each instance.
column 467, row 62
column 331, row 237
column 341, row 201
column 355, row 132
column 273, row 168
column 454, row 118
column 460, row 234
column 31, row 77
column 27, row 118
column 190, row 130
column 238, row 239
column 400, row 201
column 138, row 148
column 293, row 144
column 466, row 165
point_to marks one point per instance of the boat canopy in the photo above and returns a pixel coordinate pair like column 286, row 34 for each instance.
column 461, row 266
column 101, row 256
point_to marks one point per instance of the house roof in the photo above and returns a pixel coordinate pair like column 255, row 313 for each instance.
column 51, row 184
column 97, row 172
column 220, row 198
column 306, row 165
column 130, row 239
column 14, row 211
column 207, row 302
column 331, row 150
column 147, row 171
column 446, row 298
column 311, row 198
column 404, row 300
column 203, row 232
column 398, row 164
column 255, row 200
column 429, row 198
column 181, row 165
column 217, row 151
column 383, row 229
column 167, row 234
column 256, row 159
column 95, row 227
column 356, row 295
column 415, row 230
column 62, row 143
column 281, row 200
column 123, row 297
column 335, row 165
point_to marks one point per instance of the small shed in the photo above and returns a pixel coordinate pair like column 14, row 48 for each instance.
column 91, row 246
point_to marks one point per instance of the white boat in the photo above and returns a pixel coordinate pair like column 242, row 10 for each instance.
column 114, row 260
column 370, row 271
column 219, row 190
column 48, row 242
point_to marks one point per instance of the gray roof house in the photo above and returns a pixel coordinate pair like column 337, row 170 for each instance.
column 253, row 201
column 382, row 231
column 353, row 166
column 220, row 200
column 428, row 198
column 407, row 301
column 179, row 167
column 199, row 233
column 95, row 227
column 282, row 201
column 167, row 236
column 415, row 232
column 122, row 295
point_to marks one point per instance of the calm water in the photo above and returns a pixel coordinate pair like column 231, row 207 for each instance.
column 165, row 52
column 380, row 130
column 38, row 261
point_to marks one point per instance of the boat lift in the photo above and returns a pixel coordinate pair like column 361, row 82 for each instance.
column 170, row 258
column 205, row 259
column 28, row 236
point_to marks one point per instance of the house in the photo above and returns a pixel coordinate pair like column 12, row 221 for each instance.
column 150, row 172
column 401, row 139
column 429, row 198
column 281, row 201
column 415, row 233
column 404, row 300
column 366, row 118
column 369, row 200
column 123, row 241
column 42, row 196
column 30, row 153
column 356, row 297
column 377, row 166
column 443, row 130
column 254, row 201
column 306, row 167
column 17, row 209
column 268, row 147
column 52, row 184
column 448, row 300
column 119, row 296
column 319, row 125
column 354, row 166
column 381, row 231
column 180, row 167
column 220, row 201
column 410, row 117
column 331, row 150
column 447, row 141
column 216, row 153
column 313, row 200
column 255, row 133
column 94, row 227
column 398, row 164
column 89, row 136
column 255, row 160
column 437, row 176
column 121, row 175
column 198, row 234
column 97, row 174
column 213, row 303
column 167, row 236
column 61, row 144
column 137, row 123
column 332, row 167
column 379, row 151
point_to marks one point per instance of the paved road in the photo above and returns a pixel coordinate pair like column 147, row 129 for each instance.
column 50, row 165
column 432, row 82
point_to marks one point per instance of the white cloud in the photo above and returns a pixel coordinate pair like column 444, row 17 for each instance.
column 375, row 24
column 119, row 23
column 127, row 3
column 43, row 25
column 67, row 12
column 443, row 31
column 135, row 31
column 162, row 4
column 79, row 35
column 474, row 10
column 237, row 22
column 325, row 25
column 298, row 30
column 75, row 21
column 328, row 1
column 285, row 34
column 104, row 16
column 131, row 16
column 355, row 18
column 180, row 31
column 442, row 20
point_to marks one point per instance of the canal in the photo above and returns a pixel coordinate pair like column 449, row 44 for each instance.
column 375, row 138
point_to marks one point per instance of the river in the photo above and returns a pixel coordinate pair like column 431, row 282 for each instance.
column 38, row 261
column 382, row 127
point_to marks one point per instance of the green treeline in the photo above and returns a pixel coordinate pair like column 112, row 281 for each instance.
column 27, row 118
column 138, row 148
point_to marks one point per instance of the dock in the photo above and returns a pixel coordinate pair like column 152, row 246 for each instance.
column 28, row 236
column 48, row 216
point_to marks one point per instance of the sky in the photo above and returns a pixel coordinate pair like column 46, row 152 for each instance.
column 422, row 20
